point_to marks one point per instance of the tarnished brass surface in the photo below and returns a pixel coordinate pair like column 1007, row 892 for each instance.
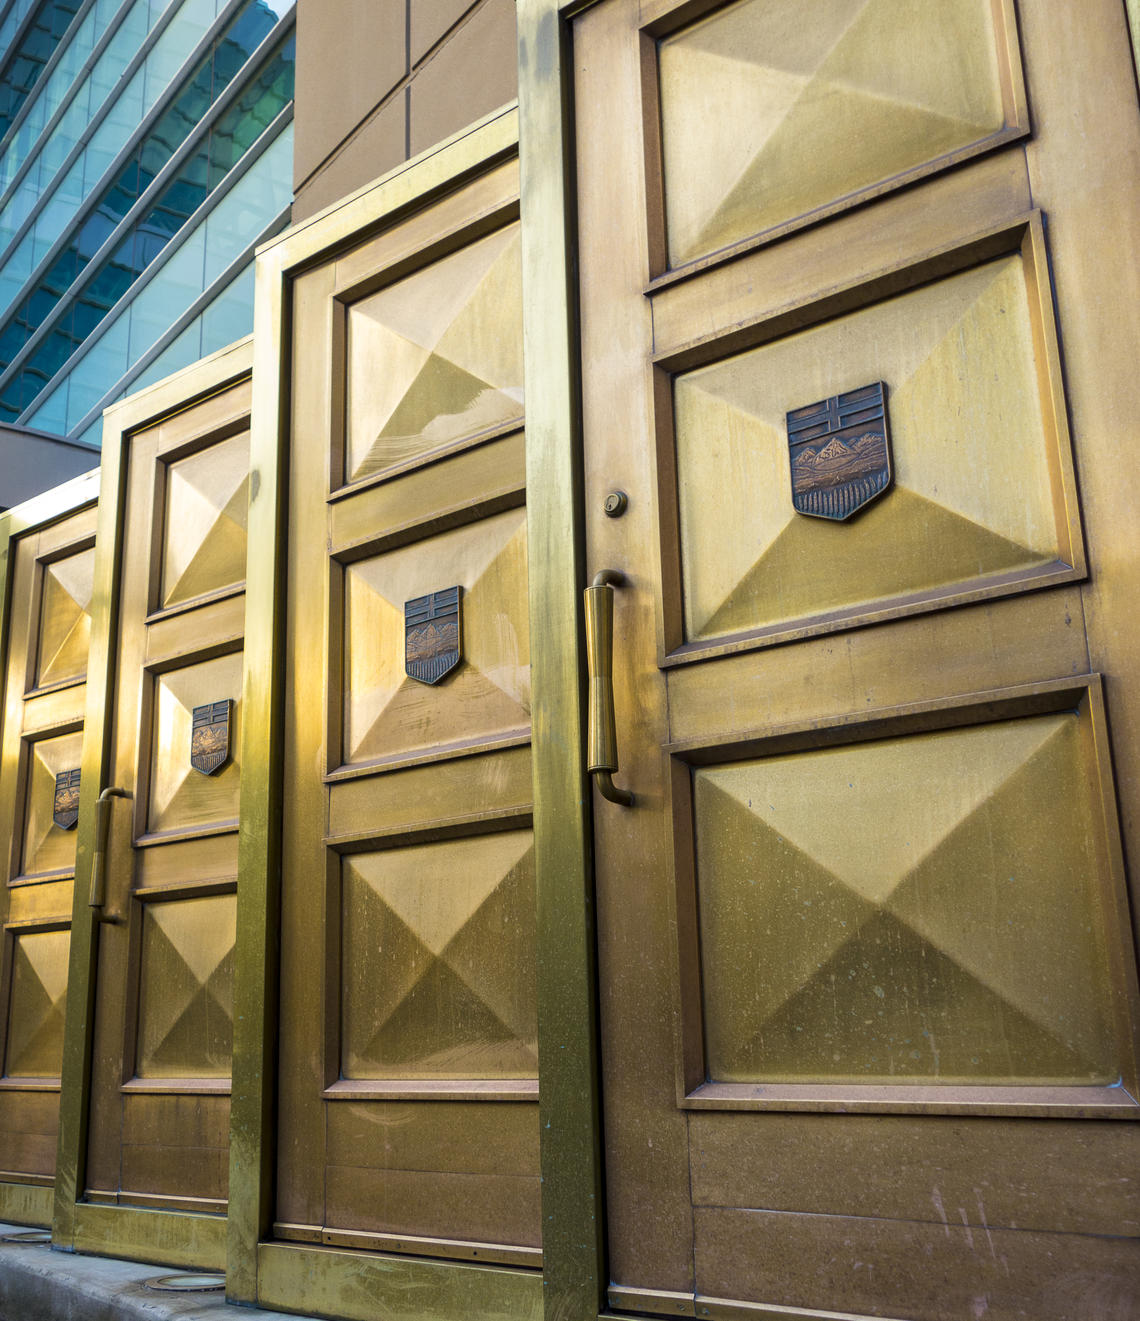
column 333, row 1282
column 976, row 463
column 65, row 618
column 601, row 732
column 47, row 847
column 386, row 711
column 973, row 808
column 902, row 882
column 152, row 1024
column 442, row 1008
column 426, row 788
column 186, row 990
column 36, row 1003
column 179, row 797
column 45, row 591
column 204, row 521
column 767, row 119
column 450, row 370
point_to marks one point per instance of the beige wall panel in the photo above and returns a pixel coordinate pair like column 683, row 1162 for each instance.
column 919, row 1270
column 349, row 56
column 924, row 1168
column 377, row 146
column 430, row 19
column 445, row 1137
column 418, row 1202
column 473, row 73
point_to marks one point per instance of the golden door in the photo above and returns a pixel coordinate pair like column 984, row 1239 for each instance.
column 50, row 564
column 407, row 1117
column 164, row 876
column 868, row 991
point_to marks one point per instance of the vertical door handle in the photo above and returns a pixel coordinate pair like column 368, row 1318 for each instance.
column 602, row 754
column 97, row 896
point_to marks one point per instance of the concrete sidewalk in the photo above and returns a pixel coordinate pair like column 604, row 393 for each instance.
column 37, row 1284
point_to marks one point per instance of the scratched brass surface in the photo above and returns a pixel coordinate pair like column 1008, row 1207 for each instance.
column 65, row 618
column 766, row 1239
column 180, row 796
column 768, row 115
column 452, row 356
column 923, row 909
column 385, row 711
column 964, row 401
column 46, row 846
column 454, row 926
column 407, row 922
column 186, row 990
column 204, row 521
column 36, row 1004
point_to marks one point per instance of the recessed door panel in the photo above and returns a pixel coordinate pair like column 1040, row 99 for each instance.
column 976, row 493
column 865, row 948
column 408, row 1075
column 864, row 912
column 47, row 636
column 770, row 117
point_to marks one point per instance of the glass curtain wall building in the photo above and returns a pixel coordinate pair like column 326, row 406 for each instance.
column 145, row 151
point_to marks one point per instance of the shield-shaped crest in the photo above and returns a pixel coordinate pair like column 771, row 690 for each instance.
column 431, row 635
column 840, row 452
column 65, row 809
column 210, row 736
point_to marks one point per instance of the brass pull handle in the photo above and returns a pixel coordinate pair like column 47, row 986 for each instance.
column 601, row 739
column 97, row 896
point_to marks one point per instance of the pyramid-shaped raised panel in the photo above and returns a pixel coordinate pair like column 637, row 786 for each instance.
column 435, row 357
column 770, row 112
column 976, row 455
column 204, row 524
column 388, row 714
column 65, row 619
column 438, row 970
column 46, row 846
column 913, row 910
column 180, row 796
column 37, row 1004
column 186, row 988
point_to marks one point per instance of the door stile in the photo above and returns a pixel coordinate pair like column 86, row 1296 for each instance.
column 176, row 1237
column 98, row 727
column 257, row 946
column 25, row 1203
column 569, row 1098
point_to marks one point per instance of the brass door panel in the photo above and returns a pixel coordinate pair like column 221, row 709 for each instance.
column 408, row 1072
column 769, row 120
column 49, row 563
column 866, row 962
column 163, row 1030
